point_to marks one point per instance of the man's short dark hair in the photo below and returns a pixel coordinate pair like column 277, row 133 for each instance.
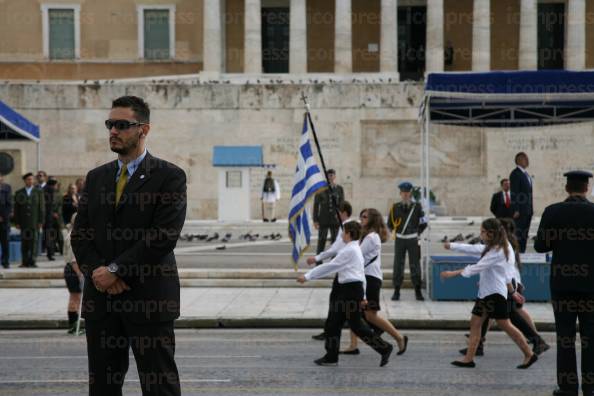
column 353, row 228
column 503, row 181
column 576, row 186
column 519, row 155
column 139, row 107
column 26, row 175
column 331, row 172
column 346, row 207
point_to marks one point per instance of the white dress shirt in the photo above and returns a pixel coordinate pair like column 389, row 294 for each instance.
column 28, row 190
column 494, row 269
column 477, row 250
column 336, row 246
column 371, row 246
column 348, row 263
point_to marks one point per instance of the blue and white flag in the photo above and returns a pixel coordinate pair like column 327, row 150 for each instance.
column 308, row 181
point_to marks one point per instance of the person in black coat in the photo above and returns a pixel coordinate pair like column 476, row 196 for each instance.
column 5, row 213
column 129, row 219
column 521, row 189
column 502, row 202
column 567, row 229
column 325, row 214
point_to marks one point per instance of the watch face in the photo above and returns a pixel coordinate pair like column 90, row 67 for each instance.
column 113, row 267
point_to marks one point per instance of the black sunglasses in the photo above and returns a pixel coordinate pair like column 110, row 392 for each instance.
column 121, row 125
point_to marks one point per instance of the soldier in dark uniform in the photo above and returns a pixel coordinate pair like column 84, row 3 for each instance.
column 407, row 221
column 5, row 213
column 567, row 229
column 29, row 213
column 325, row 215
column 53, row 224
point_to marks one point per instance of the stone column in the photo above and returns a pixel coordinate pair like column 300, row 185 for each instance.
column 435, row 24
column 213, row 37
column 343, row 31
column 298, row 37
column 481, row 35
column 389, row 37
column 253, row 37
column 575, row 43
column 528, row 49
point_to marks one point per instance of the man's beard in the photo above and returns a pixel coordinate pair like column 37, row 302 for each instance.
column 126, row 149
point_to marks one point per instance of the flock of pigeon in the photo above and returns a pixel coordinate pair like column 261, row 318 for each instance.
column 216, row 237
column 470, row 239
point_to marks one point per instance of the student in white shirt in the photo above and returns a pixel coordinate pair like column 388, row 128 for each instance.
column 374, row 234
column 346, row 306
column 345, row 210
column 494, row 269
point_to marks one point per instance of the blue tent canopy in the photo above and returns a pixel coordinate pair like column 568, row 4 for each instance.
column 14, row 126
column 510, row 99
column 246, row 156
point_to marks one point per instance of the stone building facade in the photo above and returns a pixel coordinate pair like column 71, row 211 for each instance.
column 231, row 77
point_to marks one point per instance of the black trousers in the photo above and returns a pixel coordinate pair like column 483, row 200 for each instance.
column 29, row 247
column 345, row 307
column 522, row 228
column 153, row 345
column 53, row 238
column 401, row 248
column 569, row 308
column 4, row 234
column 323, row 236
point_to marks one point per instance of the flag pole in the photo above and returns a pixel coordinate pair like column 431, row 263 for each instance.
column 317, row 142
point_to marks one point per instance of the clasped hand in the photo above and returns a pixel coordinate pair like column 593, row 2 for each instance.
column 108, row 282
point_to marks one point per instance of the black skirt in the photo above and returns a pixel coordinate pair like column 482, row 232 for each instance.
column 494, row 306
column 72, row 280
column 374, row 285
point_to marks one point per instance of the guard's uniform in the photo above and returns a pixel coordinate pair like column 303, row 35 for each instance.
column 566, row 230
column 408, row 222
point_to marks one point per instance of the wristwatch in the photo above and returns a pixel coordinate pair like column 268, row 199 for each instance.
column 113, row 268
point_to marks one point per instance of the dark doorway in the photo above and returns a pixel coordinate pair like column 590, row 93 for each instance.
column 275, row 39
column 551, row 36
column 412, row 32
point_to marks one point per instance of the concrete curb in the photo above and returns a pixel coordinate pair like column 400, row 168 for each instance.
column 245, row 323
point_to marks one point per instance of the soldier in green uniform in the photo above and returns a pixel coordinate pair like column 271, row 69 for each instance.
column 53, row 224
column 325, row 215
column 407, row 221
column 29, row 212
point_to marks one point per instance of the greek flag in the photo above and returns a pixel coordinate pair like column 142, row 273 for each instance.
column 307, row 182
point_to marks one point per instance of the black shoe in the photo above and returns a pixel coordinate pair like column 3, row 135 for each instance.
column 386, row 356
column 6, row 266
column 479, row 351
column 351, row 352
column 532, row 360
column 458, row 363
column 561, row 392
column 396, row 295
column 319, row 337
column 419, row 295
column 51, row 258
column 266, row 220
column 273, row 220
column 540, row 347
column 323, row 362
column 401, row 351
column 33, row 266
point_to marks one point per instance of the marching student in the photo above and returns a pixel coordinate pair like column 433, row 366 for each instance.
column 373, row 235
column 493, row 267
column 345, row 210
column 518, row 316
column 349, row 294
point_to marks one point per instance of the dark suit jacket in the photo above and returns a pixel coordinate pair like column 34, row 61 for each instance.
column 567, row 229
column 498, row 205
column 139, row 235
column 324, row 211
column 5, row 203
column 29, row 211
column 522, row 191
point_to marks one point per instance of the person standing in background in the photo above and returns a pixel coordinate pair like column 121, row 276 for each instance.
column 270, row 194
column 325, row 214
column 5, row 213
column 69, row 203
column 521, row 189
column 29, row 213
column 502, row 205
column 53, row 224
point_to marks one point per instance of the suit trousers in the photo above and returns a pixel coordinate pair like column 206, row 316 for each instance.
column 29, row 246
column 4, row 245
column 53, row 235
column 410, row 246
column 323, row 236
column 569, row 308
column 345, row 307
column 153, row 344
column 522, row 230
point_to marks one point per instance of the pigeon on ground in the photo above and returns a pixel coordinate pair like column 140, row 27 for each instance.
column 444, row 239
column 221, row 247
column 469, row 236
column 213, row 238
column 474, row 241
column 458, row 238
column 471, row 223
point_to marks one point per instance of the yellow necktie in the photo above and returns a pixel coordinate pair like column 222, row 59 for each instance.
column 122, row 181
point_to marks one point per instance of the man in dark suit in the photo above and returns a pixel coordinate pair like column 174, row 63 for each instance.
column 567, row 229
column 29, row 213
column 502, row 205
column 5, row 213
column 53, row 224
column 129, row 219
column 325, row 214
column 521, row 189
